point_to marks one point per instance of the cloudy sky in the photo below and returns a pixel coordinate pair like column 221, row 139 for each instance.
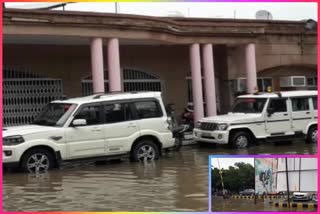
column 226, row 162
column 279, row 11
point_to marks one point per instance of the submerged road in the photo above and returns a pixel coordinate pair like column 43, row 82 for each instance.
column 176, row 182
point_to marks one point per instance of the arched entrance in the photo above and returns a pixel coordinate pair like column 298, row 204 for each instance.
column 25, row 94
column 133, row 80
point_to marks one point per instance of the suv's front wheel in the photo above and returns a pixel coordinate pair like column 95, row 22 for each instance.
column 240, row 140
column 145, row 150
column 37, row 160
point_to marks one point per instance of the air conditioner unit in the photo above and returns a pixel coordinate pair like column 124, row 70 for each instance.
column 293, row 81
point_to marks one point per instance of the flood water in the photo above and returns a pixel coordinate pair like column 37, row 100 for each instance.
column 176, row 182
column 294, row 147
column 232, row 205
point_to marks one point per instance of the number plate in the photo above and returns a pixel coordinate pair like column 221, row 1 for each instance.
column 206, row 135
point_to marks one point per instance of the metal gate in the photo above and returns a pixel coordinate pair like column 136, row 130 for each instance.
column 25, row 94
column 133, row 80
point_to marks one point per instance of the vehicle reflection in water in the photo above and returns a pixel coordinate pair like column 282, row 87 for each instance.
column 177, row 182
column 236, row 205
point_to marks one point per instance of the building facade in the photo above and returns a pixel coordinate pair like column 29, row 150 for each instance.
column 204, row 62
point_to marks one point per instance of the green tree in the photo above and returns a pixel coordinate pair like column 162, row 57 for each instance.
column 235, row 178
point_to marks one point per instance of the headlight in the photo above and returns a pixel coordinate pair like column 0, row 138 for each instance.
column 12, row 140
column 198, row 124
column 222, row 127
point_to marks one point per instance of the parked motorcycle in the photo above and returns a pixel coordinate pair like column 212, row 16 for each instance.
column 187, row 117
column 178, row 131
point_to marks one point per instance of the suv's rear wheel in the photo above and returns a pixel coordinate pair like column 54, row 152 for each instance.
column 37, row 160
column 312, row 135
column 145, row 150
column 240, row 140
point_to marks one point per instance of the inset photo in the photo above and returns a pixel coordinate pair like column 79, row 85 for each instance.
column 259, row 183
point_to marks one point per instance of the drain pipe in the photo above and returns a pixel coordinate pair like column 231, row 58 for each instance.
column 254, row 166
column 287, row 182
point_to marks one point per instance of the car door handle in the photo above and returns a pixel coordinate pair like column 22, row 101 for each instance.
column 307, row 112
column 96, row 129
column 131, row 126
column 285, row 114
column 56, row 138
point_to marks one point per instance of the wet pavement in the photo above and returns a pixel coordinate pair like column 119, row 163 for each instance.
column 231, row 205
column 176, row 182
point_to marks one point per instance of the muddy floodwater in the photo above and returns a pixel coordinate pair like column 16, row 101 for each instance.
column 293, row 147
column 176, row 182
column 239, row 205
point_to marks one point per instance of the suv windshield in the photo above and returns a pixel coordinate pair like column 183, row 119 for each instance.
column 54, row 114
column 249, row 105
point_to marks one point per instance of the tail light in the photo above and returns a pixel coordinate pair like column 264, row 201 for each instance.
column 170, row 123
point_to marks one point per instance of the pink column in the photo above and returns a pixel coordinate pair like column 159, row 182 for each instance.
column 196, row 81
column 97, row 65
column 209, row 81
column 114, row 65
column 251, row 69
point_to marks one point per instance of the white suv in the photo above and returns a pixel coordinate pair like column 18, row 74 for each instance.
column 268, row 116
column 97, row 126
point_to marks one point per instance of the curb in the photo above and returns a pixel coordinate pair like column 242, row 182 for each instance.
column 296, row 205
column 258, row 197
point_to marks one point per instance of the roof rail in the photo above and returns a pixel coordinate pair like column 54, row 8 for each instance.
column 63, row 97
column 98, row 95
column 279, row 94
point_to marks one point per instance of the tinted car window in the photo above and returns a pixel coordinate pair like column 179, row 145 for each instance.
column 249, row 105
column 89, row 113
column 148, row 109
column 117, row 112
column 300, row 104
column 279, row 105
column 315, row 102
column 55, row 114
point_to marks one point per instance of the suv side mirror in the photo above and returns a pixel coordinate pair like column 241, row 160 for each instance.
column 270, row 111
column 79, row 122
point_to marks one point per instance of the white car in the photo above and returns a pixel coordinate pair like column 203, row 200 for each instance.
column 301, row 196
column 97, row 126
column 263, row 116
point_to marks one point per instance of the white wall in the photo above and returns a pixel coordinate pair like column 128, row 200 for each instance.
column 302, row 177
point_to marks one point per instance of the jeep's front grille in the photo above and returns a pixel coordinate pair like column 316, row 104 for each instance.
column 208, row 126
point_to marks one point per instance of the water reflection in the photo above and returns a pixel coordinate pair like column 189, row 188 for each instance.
column 292, row 147
column 177, row 182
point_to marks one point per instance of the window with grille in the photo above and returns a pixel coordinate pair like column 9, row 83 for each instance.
column 25, row 94
column 133, row 80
